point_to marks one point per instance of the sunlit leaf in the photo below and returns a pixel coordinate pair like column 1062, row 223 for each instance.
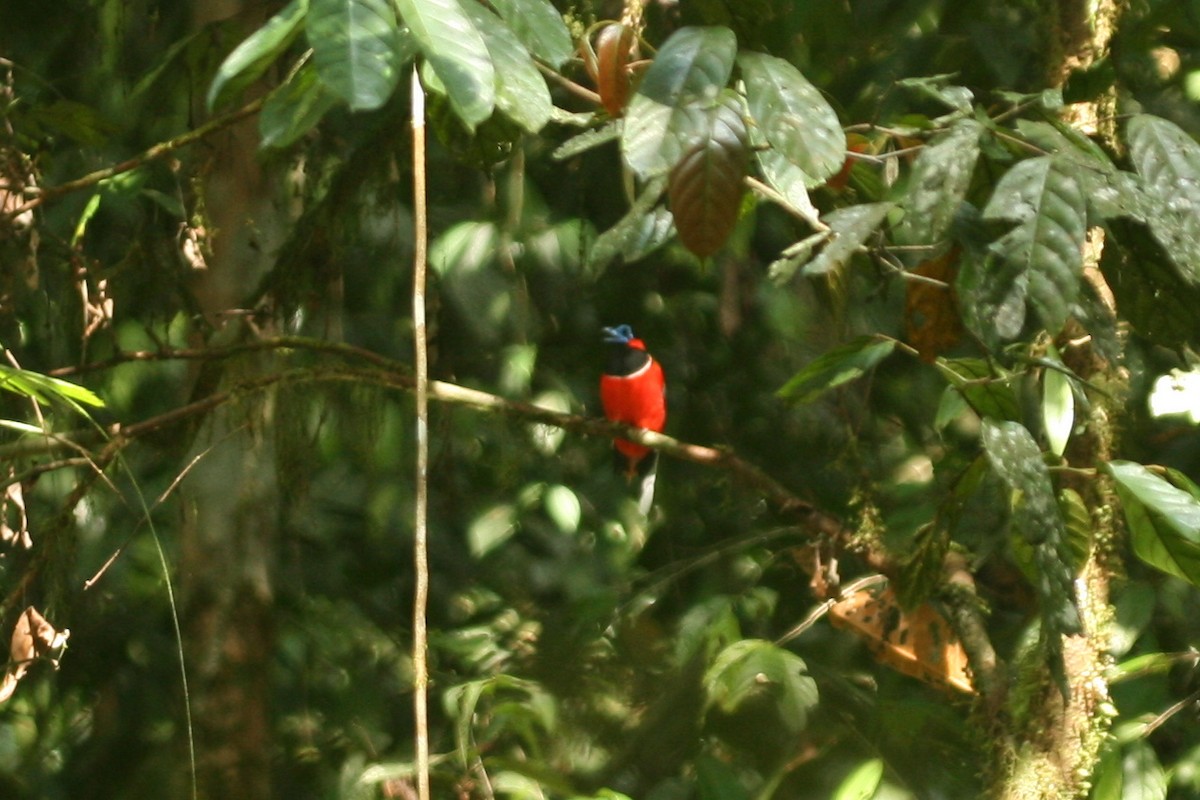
column 1164, row 521
column 851, row 227
column 45, row 388
column 458, row 54
column 940, row 178
column 1043, row 197
column 1129, row 771
column 562, row 506
column 521, row 92
column 1168, row 159
column 836, row 367
column 356, row 49
column 862, row 782
column 1058, row 408
column 939, row 88
column 491, row 529
column 250, row 59
column 691, row 67
column 539, row 26
column 794, row 116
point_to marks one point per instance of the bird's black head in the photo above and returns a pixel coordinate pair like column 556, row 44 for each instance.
column 626, row 353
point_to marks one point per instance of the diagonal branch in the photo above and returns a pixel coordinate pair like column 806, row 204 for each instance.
column 149, row 154
column 349, row 364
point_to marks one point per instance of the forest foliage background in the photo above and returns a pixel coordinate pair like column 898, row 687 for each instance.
column 922, row 276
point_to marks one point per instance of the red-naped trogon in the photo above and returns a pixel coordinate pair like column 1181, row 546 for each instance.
column 633, row 391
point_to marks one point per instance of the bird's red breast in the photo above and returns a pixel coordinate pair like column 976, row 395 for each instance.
column 635, row 397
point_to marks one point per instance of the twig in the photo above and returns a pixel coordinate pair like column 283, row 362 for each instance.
column 150, row 154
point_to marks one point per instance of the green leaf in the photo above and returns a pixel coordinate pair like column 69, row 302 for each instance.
column 250, row 59
column 840, row 365
column 940, row 179
column 458, row 54
column 1045, row 248
column 1164, row 521
column 539, row 26
column 356, row 49
column 754, row 668
column 705, row 187
column 862, row 783
column 850, row 227
column 1035, row 518
column 690, row 70
column 562, row 506
column 643, row 229
column 1058, row 409
column 786, row 178
column 939, row 88
column 1168, row 160
column 794, row 116
column 585, row 141
column 491, row 529
column 294, row 108
column 521, row 92
column 986, row 388
column 1130, row 771
column 718, row 780
column 47, row 389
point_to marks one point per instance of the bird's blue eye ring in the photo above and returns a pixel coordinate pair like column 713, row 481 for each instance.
column 621, row 334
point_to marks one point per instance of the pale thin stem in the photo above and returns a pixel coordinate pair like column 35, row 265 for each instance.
column 421, row 390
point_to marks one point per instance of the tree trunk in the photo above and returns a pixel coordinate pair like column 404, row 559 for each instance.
column 1050, row 745
column 230, row 494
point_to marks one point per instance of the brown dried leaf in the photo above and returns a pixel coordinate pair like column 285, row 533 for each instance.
column 33, row 637
column 931, row 314
column 13, row 505
column 920, row 643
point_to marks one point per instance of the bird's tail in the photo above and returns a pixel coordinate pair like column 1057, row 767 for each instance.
column 645, row 484
column 640, row 473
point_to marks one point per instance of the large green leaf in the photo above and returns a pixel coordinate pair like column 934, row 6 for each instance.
column 1037, row 522
column 294, row 108
column 250, row 59
column 690, row 70
column 521, row 92
column 850, row 228
column 1164, row 521
column 753, row 668
column 539, row 27
column 706, row 186
column 1168, row 160
column 1043, row 197
column 940, row 178
column 357, row 49
column 458, row 54
column 793, row 116
column 836, row 367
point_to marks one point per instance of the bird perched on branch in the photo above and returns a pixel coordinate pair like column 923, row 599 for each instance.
column 633, row 391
